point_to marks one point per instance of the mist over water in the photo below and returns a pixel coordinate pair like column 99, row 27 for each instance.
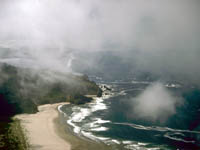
column 155, row 103
column 139, row 114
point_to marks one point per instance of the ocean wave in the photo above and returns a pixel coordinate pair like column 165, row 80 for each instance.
column 100, row 121
column 173, row 136
column 96, row 125
column 157, row 128
column 93, row 137
column 116, row 141
column 80, row 115
column 60, row 111
column 100, row 129
column 76, row 128
column 127, row 142
column 106, row 140
column 139, row 146
column 77, row 116
column 97, row 105
column 133, row 145
column 90, row 127
column 122, row 93
column 173, row 85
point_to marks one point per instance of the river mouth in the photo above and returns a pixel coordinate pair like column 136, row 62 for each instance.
column 107, row 120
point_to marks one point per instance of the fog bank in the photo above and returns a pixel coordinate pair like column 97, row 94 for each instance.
column 155, row 103
column 151, row 36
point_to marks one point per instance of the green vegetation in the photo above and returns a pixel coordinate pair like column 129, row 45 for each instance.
column 99, row 92
column 12, row 136
column 79, row 99
column 12, row 100
column 22, row 90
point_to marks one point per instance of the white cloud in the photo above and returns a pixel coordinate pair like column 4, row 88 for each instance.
column 155, row 103
column 159, row 36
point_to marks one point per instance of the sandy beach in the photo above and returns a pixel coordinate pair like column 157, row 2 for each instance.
column 40, row 129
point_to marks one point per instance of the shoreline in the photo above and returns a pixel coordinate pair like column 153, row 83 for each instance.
column 41, row 130
column 77, row 142
column 80, row 142
column 48, row 130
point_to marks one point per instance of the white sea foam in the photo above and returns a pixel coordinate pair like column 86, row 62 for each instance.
column 171, row 136
column 103, row 138
column 173, row 85
column 59, row 108
column 126, row 142
column 139, row 146
column 93, row 137
column 100, row 121
column 92, row 125
column 60, row 111
column 79, row 116
column 97, row 105
column 116, row 141
column 132, row 147
column 99, row 129
column 76, row 128
column 96, row 124
column 156, row 128
column 122, row 93
column 107, row 96
column 142, row 144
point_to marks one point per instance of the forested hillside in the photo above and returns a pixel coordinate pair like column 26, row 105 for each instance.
column 22, row 90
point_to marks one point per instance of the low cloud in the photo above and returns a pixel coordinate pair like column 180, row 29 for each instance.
column 154, row 36
column 155, row 103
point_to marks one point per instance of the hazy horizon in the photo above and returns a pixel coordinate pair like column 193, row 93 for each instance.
column 150, row 36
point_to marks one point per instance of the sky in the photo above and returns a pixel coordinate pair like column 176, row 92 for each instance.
column 161, row 37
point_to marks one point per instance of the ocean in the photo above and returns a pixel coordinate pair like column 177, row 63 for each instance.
column 110, row 118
